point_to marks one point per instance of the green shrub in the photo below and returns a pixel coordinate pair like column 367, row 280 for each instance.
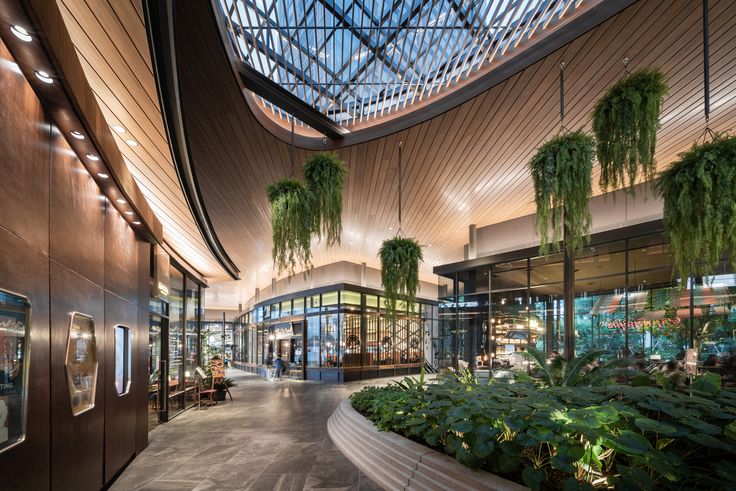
column 560, row 437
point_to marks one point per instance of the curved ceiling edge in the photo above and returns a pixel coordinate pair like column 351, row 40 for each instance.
column 420, row 113
column 161, row 34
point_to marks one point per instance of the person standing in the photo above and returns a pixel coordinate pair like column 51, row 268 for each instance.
column 278, row 365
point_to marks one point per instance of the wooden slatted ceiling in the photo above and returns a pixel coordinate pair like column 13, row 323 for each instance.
column 466, row 166
column 111, row 42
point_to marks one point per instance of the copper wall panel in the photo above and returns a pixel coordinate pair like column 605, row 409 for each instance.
column 120, row 410
column 121, row 256
column 24, row 149
column 24, row 270
column 76, row 441
column 77, row 214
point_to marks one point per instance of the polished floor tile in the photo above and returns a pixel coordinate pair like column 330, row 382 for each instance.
column 273, row 436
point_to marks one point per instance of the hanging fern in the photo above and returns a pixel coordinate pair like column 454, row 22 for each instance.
column 400, row 258
column 699, row 194
column 291, row 225
column 325, row 173
column 561, row 170
column 625, row 124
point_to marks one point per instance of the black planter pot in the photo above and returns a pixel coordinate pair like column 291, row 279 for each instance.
column 220, row 395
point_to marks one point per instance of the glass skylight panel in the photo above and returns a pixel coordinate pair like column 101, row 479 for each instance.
column 356, row 60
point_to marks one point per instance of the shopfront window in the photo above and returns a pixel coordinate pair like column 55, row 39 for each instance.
column 714, row 301
column 329, row 301
column 191, row 338
column 313, row 343
column 81, row 363
column 298, row 306
column 371, row 349
column 329, row 347
column 123, row 360
column 176, row 377
column 350, row 341
column 14, row 316
column 313, row 304
column 350, row 298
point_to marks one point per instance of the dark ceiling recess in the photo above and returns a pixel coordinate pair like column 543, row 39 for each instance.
column 161, row 36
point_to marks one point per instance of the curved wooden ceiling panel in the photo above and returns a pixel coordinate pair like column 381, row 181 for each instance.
column 111, row 43
column 466, row 166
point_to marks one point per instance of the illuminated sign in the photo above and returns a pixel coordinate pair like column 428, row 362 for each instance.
column 646, row 324
column 283, row 332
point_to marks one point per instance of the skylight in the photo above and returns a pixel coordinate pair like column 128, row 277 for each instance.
column 358, row 60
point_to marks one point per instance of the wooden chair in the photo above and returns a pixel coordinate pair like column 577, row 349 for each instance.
column 203, row 390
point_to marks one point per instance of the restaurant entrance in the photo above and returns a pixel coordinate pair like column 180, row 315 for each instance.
column 288, row 346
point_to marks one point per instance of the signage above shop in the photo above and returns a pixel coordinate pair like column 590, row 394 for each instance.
column 282, row 332
column 645, row 324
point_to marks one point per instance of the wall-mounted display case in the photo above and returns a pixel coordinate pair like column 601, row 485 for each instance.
column 15, row 313
column 81, row 363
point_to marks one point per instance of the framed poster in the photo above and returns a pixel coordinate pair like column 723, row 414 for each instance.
column 81, row 362
column 15, row 312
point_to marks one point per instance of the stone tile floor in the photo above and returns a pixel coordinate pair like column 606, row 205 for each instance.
column 273, row 436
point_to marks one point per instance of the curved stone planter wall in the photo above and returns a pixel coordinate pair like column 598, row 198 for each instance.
column 395, row 462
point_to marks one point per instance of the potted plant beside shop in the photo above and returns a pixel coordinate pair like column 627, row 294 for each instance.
column 221, row 386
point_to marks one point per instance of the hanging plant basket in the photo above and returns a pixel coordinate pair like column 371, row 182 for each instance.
column 291, row 225
column 324, row 173
column 625, row 124
column 400, row 258
column 699, row 194
column 561, row 171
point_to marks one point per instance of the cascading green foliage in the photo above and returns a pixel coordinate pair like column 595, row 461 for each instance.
column 400, row 258
column 625, row 124
column 291, row 224
column 699, row 194
column 325, row 173
column 561, row 171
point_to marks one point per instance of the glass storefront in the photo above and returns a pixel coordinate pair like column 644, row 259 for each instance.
column 627, row 302
column 336, row 329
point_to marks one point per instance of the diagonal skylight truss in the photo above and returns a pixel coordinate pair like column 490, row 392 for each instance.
column 358, row 60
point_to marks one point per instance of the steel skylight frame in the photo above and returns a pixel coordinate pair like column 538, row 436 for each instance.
column 357, row 60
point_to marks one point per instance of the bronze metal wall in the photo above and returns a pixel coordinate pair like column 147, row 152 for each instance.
column 65, row 247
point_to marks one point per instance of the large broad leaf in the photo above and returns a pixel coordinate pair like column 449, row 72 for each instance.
column 533, row 477
column 629, row 443
column 709, row 383
column 730, row 430
column 574, row 368
column 535, row 355
column 710, row 441
column 572, row 484
column 654, row 426
column 635, row 477
column 701, row 426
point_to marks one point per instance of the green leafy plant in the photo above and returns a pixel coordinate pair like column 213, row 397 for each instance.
column 224, row 384
column 291, row 224
column 583, row 370
column 400, row 258
column 625, row 124
column 324, row 174
column 561, row 437
column 699, row 195
column 561, row 171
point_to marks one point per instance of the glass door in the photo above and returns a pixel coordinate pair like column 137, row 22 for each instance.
column 156, row 395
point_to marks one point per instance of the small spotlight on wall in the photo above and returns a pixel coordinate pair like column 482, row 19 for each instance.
column 93, row 157
column 76, row 134
column 118, row 129
column 131, row 142
column 102, row 175
column 21, row 33
column 44, row 77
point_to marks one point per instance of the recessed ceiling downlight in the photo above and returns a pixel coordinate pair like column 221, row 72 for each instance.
column 120, row 200
column 128, row 212
column 93, row 157
column 102, row 175
column 136, row 222
column 131, row 142
column 21, row 33
column 44, row 77
column 76, row 134
column 118, row 129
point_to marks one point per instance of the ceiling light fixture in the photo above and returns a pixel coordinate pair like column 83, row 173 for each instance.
column 102, row 175
column 131, row 142
column 44, row 77
column 76, row 134
column 118, row 128
column 136, row 222
column 128, row 212
column 93, row 157
column 21, row 33
column 121, row 201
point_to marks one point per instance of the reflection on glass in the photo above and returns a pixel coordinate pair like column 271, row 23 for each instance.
column 154, row 373
column 14, row 313
column 81, row 363
column 313, row 341
column 123, row 363
column 176, row 379
column 328, row 343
